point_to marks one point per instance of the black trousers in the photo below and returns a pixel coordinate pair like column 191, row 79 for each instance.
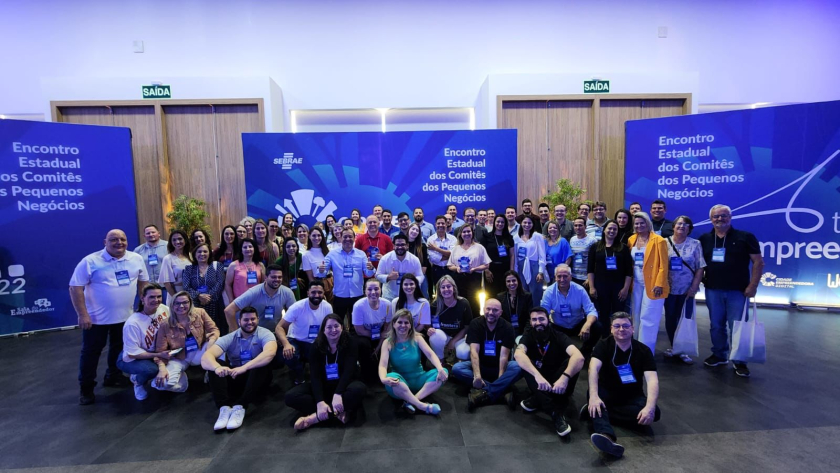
column 342, row 306
column 469, row 285
column 595, row 332
column 620, row 410
column 241, row 391
column 368, row 359
column 607, row 302
column 300, row 397
column 434, row 274
column 93, row 342
column 547, row 401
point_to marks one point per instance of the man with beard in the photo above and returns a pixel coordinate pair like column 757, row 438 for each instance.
column 545, row 217
column 426, row 228
column 395, row 264
column 246, row 373
column 350, row 267
column 386, row 227
column 152, row 251
column 550, row 364
column 302, row 322
column 479, row 232
column 490, row 370
column 269, row 298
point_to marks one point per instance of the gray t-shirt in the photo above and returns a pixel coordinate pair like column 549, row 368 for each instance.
column 270, row 308
column 239, row 351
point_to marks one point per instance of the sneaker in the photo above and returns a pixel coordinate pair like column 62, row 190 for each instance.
column 560, row 425
column 686, row 359
column 86, row 397
column 606, row 445
column 528, row 405
column 714, row 361
column 668, row 353
column 584, row 413
column 742, row 370
column 510, row 400
column 237, row 415
column 140, row 392
column 476, row 398
column 224, row 417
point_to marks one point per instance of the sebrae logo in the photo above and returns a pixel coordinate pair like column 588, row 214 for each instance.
column 833, row 284
column 304, row 203
column 287, row 161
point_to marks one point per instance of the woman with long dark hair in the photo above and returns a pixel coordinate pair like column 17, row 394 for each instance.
column 624, row 219
column 246, row 272
column 610, row 274
column 267, row 249
column 529, row 258
column 204, row 281
column 292, row 264
column 499, row 246
column 316, row 252
column 228, row 248
column 173, row 264
column 411, row 299
column 516, row 302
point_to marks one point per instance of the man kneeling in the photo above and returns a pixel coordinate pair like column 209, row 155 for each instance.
column 550, row 363
column 618, row 366
column 249, row 351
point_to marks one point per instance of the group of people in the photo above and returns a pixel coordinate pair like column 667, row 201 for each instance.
column 370, row 303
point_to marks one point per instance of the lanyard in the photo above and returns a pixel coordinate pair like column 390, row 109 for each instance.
column 327, row 357
column 370, row 239
column 660, row 225
column 543, row 351
column 724, row 241
column 615, row 350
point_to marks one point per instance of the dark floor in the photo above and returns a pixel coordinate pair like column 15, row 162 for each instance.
column 785, row 418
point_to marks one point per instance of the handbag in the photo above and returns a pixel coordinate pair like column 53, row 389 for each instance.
column 685, row 338
column 748, row 342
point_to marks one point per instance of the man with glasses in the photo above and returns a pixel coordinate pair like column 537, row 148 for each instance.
column 479, row 232
column 661, row 225
column 728, row 280
column 403, row 223
column 572, row 312
column 619, row 370
column 595, row 225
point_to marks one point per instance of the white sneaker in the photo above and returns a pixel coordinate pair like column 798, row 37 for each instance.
column 236, row 418
column 140, row 392
column 224, row 417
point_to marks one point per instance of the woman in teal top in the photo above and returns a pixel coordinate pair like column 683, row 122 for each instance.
column 400, row 369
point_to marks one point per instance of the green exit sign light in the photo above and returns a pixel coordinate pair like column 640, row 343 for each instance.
column 596, row 86
column 157, row 92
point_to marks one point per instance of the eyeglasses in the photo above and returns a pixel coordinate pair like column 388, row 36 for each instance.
column 720, row 217
column 622, row 326
column 180, row 304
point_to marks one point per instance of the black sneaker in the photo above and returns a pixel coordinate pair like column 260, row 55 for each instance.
column 584, row 413
column 116, row 381
column 742, row 370
column 528, row 405
column 606, row 445
column 714, row 361
column 560, row 425
column 86, row 397
column 476, row 398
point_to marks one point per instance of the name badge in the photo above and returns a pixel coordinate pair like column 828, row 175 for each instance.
column 502, row 251
column 626, row 373
column 202, row 289
column 313, row 331
column 490, row 348
column 436, row 321
column 599, row 233
column 244, row 356
column 122, row 278
column 538, row 363
column 658, row 232
column 191, row 343
column 611, row 264
column 332, row 371
column 374, row 253
column 639, row 258
column 565, row 310
column 252, row 277
column 718, row 255
column 293, row 284
column 269, row 312
column 153, row 259
column 375, row 332
column 521, row 252
column 578, row 259
column 227, row 264
column 348, row 271
column 464, row 263
column 676, row 263
column 514, row 320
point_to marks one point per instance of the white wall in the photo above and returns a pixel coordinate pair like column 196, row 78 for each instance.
column 404, row 54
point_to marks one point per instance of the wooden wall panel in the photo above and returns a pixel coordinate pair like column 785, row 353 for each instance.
column 87, row 115
column 529, row 118
column 144, row 139
column 231, row 122
column 190, row 146
column 570, row 147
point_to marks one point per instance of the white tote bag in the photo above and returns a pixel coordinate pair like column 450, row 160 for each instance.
column 748, row 343
column 685, row 338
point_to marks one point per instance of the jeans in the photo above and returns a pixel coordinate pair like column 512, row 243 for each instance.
column 93, row 341
column 725, row 307
column 301, row 355
column 494, row 384
column 621, row 410
column 143, row 370
column 673, row 312
column 546, row 401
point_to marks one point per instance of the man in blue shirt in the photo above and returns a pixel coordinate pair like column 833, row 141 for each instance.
column 350, row 267
column 387, row 228
column 452, row 210
column 425, row 227
column 572, row 312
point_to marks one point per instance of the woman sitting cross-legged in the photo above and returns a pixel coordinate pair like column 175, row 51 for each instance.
column 400, row 369
column 332, row 365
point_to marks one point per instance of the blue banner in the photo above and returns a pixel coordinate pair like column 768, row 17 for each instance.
column 62, row 187
column 777, row 168
column 313, row 175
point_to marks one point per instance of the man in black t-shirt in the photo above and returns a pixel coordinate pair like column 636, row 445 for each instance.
column 490, row 370
column 618, row 368
column 550, row 364
column 729, row 281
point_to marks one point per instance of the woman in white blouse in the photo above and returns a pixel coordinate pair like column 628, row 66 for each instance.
column 316, row 252
column 529, row 258
column 468, row 260
column 173, row 264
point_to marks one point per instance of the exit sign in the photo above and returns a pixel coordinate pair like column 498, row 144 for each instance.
column 157, row 92
column 596, row 87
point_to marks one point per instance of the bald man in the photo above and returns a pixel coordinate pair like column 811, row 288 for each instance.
column 102, row 291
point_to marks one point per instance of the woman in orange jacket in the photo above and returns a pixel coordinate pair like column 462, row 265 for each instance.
column 650, row 279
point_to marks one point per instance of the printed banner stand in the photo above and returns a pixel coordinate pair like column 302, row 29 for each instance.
column 62, row 188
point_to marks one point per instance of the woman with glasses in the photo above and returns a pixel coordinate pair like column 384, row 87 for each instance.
column 686, row 263
column 204, row 281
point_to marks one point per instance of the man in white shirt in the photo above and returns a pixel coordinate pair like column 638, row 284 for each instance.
column 102, row 290
column 395, row 264
column 299, row 328
column 439, row 246
column 152, row 251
